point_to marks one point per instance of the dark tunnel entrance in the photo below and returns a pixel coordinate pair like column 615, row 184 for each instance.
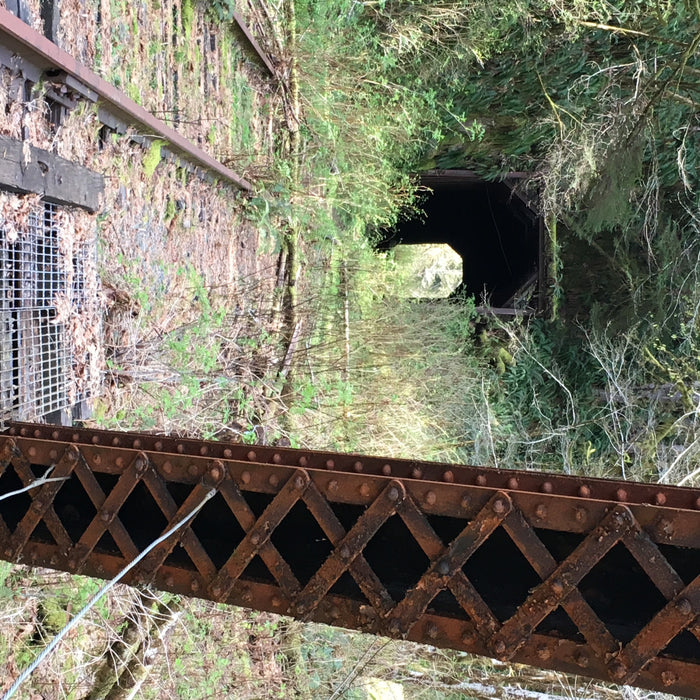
column 492, row 226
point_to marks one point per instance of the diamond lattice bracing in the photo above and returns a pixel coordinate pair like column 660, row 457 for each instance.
column 489, row 577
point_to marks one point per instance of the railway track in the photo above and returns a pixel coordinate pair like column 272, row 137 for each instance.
column 587, row 576
column 37, row 59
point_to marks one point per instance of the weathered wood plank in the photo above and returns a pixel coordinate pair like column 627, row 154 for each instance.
column 27, row 169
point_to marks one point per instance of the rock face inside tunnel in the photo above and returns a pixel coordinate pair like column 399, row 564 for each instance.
column 494, row 228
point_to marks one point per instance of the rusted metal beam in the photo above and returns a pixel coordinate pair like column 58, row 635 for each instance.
column 45, row 56
column 588, row 576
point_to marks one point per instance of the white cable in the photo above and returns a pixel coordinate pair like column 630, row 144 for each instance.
column 37, row 482
column 57, row 639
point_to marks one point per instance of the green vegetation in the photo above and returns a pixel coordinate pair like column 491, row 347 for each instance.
column 598, row 101
column 152, row 157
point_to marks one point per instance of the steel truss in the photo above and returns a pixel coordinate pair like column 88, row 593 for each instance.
column 586, row 576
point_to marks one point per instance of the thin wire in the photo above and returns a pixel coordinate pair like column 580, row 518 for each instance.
column 37, row 482
column 369, row 654
column 57, row 639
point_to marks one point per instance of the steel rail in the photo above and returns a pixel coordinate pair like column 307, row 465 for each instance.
column 257, row 49
column 600, row 578
column 24, row 41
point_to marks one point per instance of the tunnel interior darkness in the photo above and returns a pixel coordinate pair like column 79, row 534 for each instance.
column 492, row 228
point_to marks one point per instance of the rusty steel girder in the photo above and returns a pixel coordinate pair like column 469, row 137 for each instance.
column 586, row 576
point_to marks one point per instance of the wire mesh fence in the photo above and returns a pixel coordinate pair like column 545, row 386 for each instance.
column 40, row 283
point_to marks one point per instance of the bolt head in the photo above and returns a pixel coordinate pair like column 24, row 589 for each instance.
column 344, row 552
column 245, row 477
column 618, row 519
column 443, row 568
column 430, row 498
column 582, row 659
column 541, row 511
column 584, row 491
column 273, row 480
column 252, row 456
column 543, row 652
column 557, row 586
column 499, row 506
column 512, row 483
column 393, row 494
column 358, row 466
column 684, row 606
column 448, row 477
column 665, row 528
column 255, row 539
column 500, row 647
column 668, row 678
column 431, row 630
column 618, row 670
column 386, row 470
column 298, row 483
column 333, row 486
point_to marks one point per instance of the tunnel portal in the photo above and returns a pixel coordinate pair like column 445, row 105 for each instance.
column 494, row 228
